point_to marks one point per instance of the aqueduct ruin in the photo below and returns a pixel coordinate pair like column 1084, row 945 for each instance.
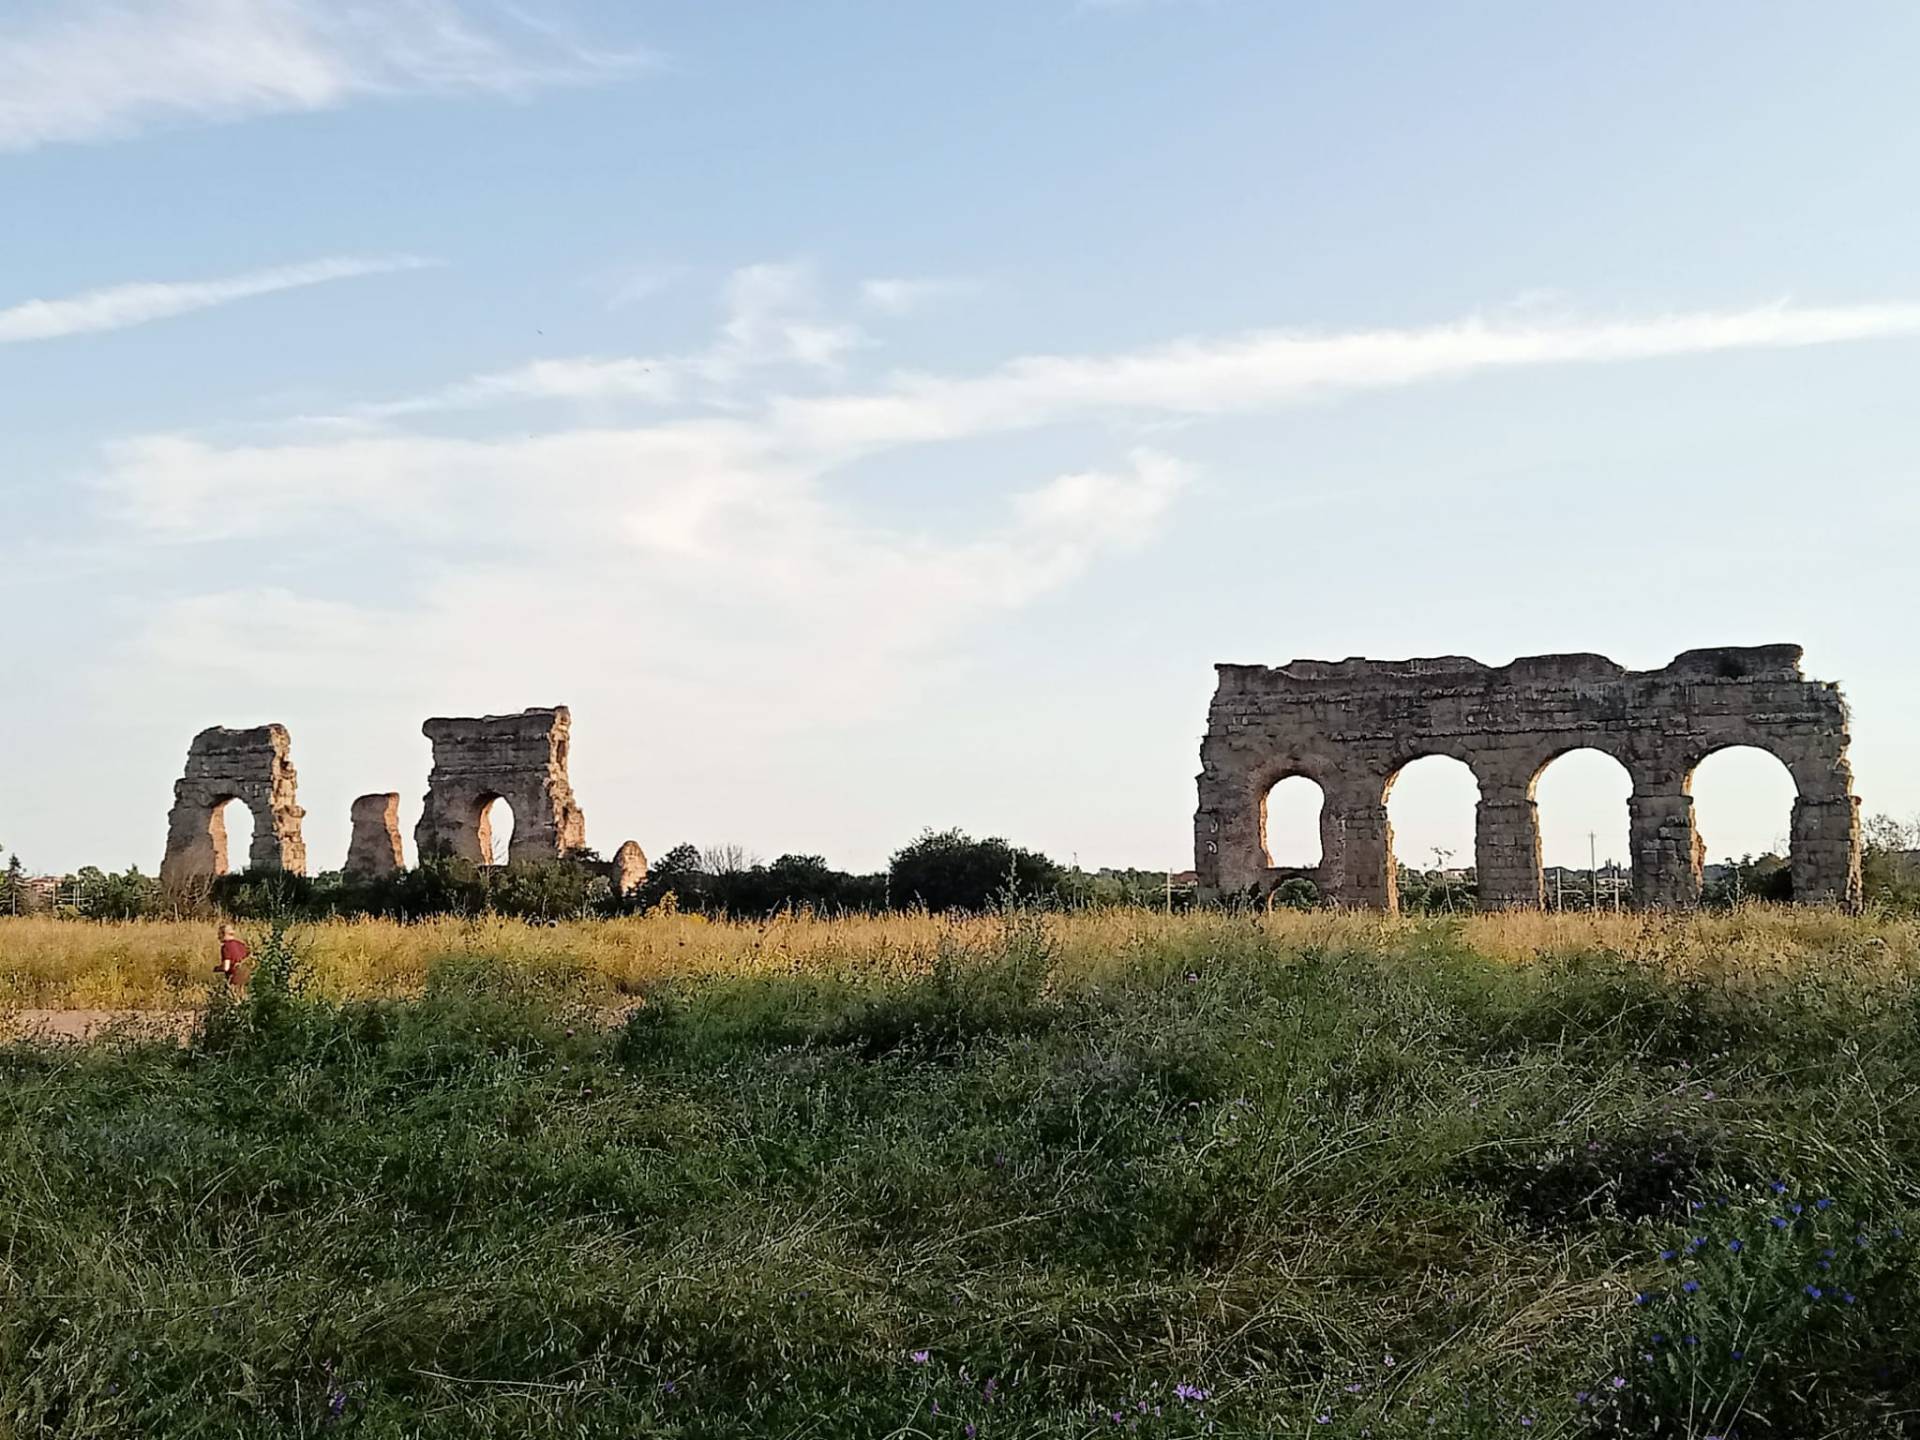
column 250, row 766
column 521, row 759
column 1352, row 725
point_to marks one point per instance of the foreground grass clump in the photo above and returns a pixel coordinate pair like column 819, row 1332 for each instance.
column 1010, row 1177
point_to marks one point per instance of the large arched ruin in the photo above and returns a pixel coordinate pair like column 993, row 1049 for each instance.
column 521, row 759
column 1351, row 726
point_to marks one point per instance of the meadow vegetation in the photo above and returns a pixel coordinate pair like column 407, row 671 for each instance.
column 1019, row 1174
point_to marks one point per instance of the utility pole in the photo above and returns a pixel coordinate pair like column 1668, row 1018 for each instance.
column 1593, row 876
column 1169, row 892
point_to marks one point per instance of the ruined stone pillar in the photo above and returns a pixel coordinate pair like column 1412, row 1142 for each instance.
column 1357, row 859
column 1826, row 851
column 250, row 766
column 1665, row 849
column 1227, row 846
column 375, row 852
column 1506, row 849
column 628, row 869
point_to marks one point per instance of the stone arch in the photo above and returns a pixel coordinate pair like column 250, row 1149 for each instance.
column 1303, row 790
column 521, row 759
column 221, row 829
column 1458, row 856
column 250, row 766
column 492, row 839
column 1564, row 851
column 1759, row 770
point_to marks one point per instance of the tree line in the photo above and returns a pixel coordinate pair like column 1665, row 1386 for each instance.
column 939, row 871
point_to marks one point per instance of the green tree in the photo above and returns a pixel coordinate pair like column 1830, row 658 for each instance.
column 16, row 896
column 100, row 896
column 679, row 873
column 949, row 870
column 1890, row 862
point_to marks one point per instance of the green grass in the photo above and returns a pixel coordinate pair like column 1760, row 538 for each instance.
column 1379, row 1175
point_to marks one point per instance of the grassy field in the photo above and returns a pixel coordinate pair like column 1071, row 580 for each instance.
column 1015, row 1176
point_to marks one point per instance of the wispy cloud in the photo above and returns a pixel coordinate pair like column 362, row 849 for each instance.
column 723, row 529
column 1266, row 369
column 92, row 70
column 894, row 295
column 772, row 319
column 120, row 306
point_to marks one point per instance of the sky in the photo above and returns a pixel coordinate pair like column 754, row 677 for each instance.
column 869, row 417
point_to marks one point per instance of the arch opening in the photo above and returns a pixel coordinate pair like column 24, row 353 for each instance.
column 1743, row 799
column 232, row 826
column 1585, row 851
column 495, row 825
column 1290, row 815
column 1431, row 811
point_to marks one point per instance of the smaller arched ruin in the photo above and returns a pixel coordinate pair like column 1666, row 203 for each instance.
column 250, row 766
column 1352, row 725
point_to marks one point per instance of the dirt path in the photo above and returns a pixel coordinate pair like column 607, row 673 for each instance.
column 96, row 1024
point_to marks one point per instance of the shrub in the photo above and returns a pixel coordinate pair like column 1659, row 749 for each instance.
column 948, row 870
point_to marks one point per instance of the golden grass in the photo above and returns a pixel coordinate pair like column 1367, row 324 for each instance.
column 48, row 963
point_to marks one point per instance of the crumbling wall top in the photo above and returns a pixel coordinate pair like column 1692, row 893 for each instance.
column 1722, row 663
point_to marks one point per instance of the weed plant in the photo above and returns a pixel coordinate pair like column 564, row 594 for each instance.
column 1011, row 1176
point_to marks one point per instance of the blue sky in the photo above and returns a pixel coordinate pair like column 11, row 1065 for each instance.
column 869, row 416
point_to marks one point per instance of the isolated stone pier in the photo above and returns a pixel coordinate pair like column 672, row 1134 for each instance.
column 374, row 851
column 1352, row 725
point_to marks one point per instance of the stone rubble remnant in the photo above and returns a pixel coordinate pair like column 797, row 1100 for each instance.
column 374, row 851
column 521, row 759
column 1351, row 725
column 250, row 766
column 628, row 869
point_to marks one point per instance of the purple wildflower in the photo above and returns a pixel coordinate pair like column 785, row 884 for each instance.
column 920, row 1357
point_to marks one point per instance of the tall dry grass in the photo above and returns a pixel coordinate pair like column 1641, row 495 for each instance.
column 55, row 964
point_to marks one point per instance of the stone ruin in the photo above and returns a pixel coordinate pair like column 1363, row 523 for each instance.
column 1352, row 725
column 374, row 850
column 521, row 759
column 250, row 766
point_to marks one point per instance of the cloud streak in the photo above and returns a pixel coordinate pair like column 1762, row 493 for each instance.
column 1269, row 369
column 720, row 531
column 91, row 70
column 120, row 306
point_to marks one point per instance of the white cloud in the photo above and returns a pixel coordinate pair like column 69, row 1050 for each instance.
column 120, row 306
column 1239, row 374
column 715, row 545
column 896, row 296
column 91, row 70
column 771, row 320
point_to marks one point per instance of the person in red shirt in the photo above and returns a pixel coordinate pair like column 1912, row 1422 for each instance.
column 233, row 957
